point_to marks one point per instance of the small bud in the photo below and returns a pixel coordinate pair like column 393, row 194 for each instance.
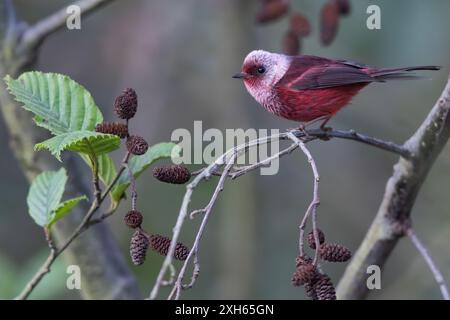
column 329, row 22
column 334, row 252
column 133, row 219
column 116, row 128
column 324, row 288
column 138, row 248
column 291, row 43
column 304, row 274
column 272, row 10
column 125, row 105
column 299, row 24
column 161, row 245
column 312, row 241
column 174, row 174
column 137, row 145
column 344, row 7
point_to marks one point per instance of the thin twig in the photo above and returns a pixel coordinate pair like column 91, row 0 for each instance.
column 195, row 247
column 433, row 268
column 315, row 201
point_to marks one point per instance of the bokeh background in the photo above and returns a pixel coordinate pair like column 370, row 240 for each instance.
column 179, row 56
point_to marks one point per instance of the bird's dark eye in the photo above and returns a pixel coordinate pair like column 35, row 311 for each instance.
column 261, row 70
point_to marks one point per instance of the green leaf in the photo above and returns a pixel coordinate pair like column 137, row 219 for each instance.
column 60, row 104
column 138, row 164
column 45, row 194
column 64, row 208
column 87, row 142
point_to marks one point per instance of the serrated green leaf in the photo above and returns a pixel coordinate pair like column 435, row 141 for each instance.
column 45, row 194
column 64, row 208
column 61, row 104
column 87, row 142
column 138, row 164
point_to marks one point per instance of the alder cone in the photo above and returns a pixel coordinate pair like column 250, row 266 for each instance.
column 304, row 274
column 312, row 241
column 324, row 288
column 137, row 145
column 161, row 245
column 291, row 43
column 133, row 219
column 310, row 291
column 329, row 22
column 334, row 252
column 138, row 248
column 174, row 174
column 125, row 105
column 299, row 25
column 115, row 128
column 272, row 10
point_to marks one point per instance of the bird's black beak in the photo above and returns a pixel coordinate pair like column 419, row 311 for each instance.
column 240, row 75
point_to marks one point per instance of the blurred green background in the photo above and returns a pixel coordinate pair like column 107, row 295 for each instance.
column 179, row 56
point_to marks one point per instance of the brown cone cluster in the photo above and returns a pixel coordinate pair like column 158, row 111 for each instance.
column 299, row 26
column 318, row 286
column 125, row 105
column 161, row 245
column 137, row 145
column 133, row 219
column 138, row 247
column 174, row 174
column 116, row 128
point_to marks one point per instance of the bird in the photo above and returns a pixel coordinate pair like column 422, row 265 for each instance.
column 308, row 88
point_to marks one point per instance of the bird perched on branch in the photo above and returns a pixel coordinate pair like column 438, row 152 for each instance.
column 309, row 88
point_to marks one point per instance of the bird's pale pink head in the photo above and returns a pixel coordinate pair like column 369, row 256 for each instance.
column 262, row 68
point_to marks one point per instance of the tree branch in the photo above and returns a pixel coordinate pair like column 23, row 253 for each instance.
column 399, row 197
column 35, row 34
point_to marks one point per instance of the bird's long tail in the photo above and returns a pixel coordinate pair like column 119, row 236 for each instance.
column 400, row 73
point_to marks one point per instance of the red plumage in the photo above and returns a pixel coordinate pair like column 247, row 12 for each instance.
column 306, row 88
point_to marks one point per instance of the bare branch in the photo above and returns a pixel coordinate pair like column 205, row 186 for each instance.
column 195, row 247
column 433, row 268
column 399, row 197
column 314, row 203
